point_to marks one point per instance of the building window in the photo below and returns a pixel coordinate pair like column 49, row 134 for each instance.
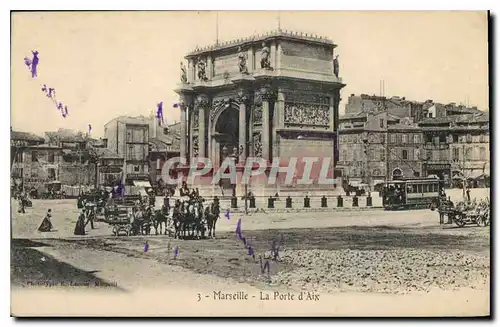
column 130, row 154
column 382, row 154
column 456, row 154
column 482, row 153
column 34, row 156
column 429, row 155
column 33, row 173
column 19, row 157
column 468, row 138
column 393, row 138
column 52, row 173
column 442, row 138
column 416, row 154
column 165, row 131
column 51, row 157
column 381, row 123
column 137, row 169
column 404, row 138
column 455, row 138
column 130, row 137
column 344, row 155
column 377, row 172
column 405, row 155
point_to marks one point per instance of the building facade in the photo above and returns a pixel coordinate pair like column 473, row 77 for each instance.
column 378, row 146
column 76, row 168
column 129, row 137
column 33, row 163
column 110, row 168
column 164, row 143
column 458, row 147
column 268, row 96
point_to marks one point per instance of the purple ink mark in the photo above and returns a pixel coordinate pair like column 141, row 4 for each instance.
column 227, row 214
column 60, row 106
column 146, row 247
column 251, row 251
column 44, row 88
column 176, row 252
column 27, row 62
column 159, row 113
column 176, row 105
column 90, row 128
column 52, row 93
column 238, row 229
column 34, row 64
column 244, row 239
column 66, row 110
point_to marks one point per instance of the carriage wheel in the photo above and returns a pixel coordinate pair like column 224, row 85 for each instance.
column 460, row 222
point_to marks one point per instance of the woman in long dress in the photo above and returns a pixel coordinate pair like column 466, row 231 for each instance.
column 80, row 224
column 46, row 224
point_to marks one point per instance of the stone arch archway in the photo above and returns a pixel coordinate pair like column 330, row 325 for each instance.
column 225, row 133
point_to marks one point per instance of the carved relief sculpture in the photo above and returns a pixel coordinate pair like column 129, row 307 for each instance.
column 265, row 62
column 242, row 61
column 195, row 146
column 307, row 114
column 195, row 118
column 336, row 66
column 183, row 73
column 202, row 74
column 257, row 109
column 257, row 145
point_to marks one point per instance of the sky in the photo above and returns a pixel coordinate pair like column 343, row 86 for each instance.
column 108, row 64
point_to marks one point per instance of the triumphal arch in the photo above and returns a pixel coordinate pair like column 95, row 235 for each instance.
column 268, row 96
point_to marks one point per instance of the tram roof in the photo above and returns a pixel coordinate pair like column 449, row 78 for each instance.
column 406, row 180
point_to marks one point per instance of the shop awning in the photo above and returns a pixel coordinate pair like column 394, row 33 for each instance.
column 142, row 183
column 143, row 192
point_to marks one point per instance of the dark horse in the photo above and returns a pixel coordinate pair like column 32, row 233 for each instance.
column 211, row 215
column 161, row 219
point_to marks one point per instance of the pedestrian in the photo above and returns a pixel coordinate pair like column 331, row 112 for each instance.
column 80, row 224
column 90, row 215
column 46, row 225
column 468, row 194
column 21, row 204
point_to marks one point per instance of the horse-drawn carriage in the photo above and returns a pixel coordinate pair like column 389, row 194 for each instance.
column 188, row 219
column 469, row 213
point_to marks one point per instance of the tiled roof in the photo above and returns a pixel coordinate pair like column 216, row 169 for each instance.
column 66, row 135
column 140, row 120
column 107, row 153
column 464, row 118
column 361, row 114
column 25, row 136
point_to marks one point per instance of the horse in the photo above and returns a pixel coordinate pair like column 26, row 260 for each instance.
column 211, row 216
column 161, row 218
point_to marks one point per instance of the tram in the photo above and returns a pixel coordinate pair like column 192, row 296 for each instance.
column 414, row 193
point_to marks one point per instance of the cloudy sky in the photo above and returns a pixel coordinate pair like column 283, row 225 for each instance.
column 106, row 64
